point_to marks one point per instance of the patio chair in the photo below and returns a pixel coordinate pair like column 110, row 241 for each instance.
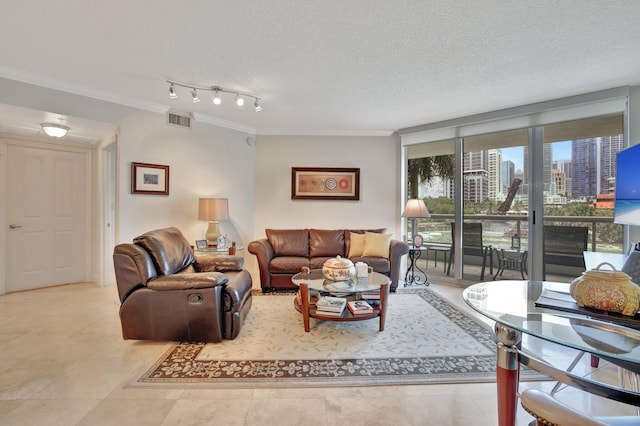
column 472, row 245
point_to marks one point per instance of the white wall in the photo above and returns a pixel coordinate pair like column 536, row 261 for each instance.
column 377, row 157
column 204, row 161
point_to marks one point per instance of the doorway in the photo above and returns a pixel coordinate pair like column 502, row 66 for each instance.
column 47, row 215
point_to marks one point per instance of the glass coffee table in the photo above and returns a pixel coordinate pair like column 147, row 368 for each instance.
column 352, row 289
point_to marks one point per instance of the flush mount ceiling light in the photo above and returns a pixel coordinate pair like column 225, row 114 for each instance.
column 54, row 130
column 217, row 90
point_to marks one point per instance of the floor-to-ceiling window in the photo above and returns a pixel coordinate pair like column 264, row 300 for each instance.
column 558, row 169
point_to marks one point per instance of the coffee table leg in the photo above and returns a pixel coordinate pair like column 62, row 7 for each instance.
column 304, row 304
column 384, row 293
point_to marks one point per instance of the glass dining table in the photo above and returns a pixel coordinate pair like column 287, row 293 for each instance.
column 545, row 310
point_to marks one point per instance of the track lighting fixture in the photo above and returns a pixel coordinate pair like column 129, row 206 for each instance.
column 194, row 95
column 217, row 100
column 172, row 92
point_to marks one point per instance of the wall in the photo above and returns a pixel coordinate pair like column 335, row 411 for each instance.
column 377, row 158
column 204, row 161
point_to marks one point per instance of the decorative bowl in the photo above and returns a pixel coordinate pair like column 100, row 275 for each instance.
column 338, row 269
column 607, row 290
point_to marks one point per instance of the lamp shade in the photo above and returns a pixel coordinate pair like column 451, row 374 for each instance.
column 213, row 209
column 415, row 208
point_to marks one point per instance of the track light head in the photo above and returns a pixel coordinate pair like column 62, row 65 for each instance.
column 257, row 105
column 239, row 100
column 216, row 97
column 172, row 92
column 194, row 95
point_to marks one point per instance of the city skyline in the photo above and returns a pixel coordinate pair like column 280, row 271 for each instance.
column 561, row 151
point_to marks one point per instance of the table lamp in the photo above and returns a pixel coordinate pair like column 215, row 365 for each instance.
column 213, row 210
column 414, row 209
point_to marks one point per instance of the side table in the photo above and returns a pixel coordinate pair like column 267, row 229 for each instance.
column 446, row 252
column 511, row 259
column 412, row 277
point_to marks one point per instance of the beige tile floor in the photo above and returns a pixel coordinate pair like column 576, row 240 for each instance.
column 63, row 362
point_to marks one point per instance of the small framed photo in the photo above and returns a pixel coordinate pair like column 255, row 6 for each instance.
column 417, row 240
column 150, row 179
column 202, row 244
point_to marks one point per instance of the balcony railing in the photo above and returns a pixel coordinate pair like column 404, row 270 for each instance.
column 499, row 229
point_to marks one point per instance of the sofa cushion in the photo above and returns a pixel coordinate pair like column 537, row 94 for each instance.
column 168, row 248
column 326, row 242
column 376, row 245
column 357, row 244
column 289, row 242
column 379, row 264
column 288, row 264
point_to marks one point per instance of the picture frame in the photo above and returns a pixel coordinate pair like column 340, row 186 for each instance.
column 418, row 241
column 202, row 244
column 325, row 183
column 151, row 179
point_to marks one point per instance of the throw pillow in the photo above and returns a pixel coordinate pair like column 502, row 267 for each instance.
column 357, row 244
column 376, row 245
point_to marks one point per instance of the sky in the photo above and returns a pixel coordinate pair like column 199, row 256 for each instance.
column 559, row 151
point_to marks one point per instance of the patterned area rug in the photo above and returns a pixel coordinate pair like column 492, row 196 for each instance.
column 426, row 340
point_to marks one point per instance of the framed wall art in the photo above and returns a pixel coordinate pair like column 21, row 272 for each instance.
column 325, row 183
column 149, row 179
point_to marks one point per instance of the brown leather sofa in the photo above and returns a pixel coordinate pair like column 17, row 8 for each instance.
column 285, row 251
column 167, row 293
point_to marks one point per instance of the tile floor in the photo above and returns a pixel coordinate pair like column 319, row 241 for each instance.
column 63, row 362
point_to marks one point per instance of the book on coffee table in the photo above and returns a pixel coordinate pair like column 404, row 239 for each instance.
column 359, row 307
column 331, row 304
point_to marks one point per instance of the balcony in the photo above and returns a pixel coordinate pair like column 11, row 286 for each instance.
column 498, row 231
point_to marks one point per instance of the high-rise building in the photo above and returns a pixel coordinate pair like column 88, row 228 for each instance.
column 584, row 155
column 560, row 180
column 476, row 176
column 508, row 174
column 609, row 148
column 547, row 165
column 495, row 175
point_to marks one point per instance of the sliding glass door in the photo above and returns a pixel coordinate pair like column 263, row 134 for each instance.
column 513, row 185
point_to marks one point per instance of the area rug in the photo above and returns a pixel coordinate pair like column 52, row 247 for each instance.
column 426, row 340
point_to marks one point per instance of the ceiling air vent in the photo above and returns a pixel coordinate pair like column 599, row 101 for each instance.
column 179, row 119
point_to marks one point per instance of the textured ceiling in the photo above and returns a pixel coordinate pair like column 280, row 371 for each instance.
column 321, row 67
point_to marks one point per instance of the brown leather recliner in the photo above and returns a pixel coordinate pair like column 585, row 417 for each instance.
column 167, row 293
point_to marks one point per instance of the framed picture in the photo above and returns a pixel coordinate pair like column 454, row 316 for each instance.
column 202, row 244
column 417, row 241
column 149, row 179
column 325, row 183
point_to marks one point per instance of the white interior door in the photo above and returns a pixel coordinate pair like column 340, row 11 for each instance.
column 47, row 217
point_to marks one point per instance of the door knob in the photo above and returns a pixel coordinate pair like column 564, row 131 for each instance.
column 13, row 226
